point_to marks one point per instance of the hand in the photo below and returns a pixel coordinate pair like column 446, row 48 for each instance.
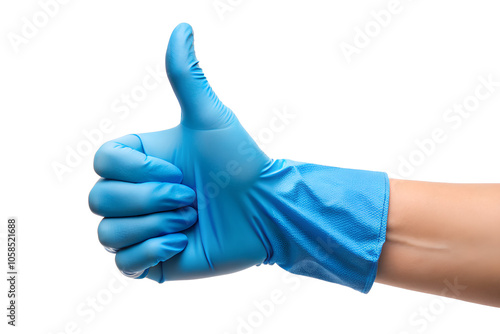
column 251, row 209
column 219, row 160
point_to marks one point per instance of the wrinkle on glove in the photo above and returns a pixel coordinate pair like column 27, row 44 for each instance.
column 330, row 222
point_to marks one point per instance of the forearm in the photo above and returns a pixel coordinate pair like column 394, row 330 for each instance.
column 443, row 239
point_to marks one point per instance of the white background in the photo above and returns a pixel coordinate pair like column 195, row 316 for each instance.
column 259, row 56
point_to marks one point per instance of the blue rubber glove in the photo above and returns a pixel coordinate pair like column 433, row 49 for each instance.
column 319, row 221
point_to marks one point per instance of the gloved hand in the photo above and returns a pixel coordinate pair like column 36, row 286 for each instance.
column 318, row 221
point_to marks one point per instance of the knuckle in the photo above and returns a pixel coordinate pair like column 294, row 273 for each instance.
column 188, row 215
column 106, row 233
column 103, row 158
column 120, row 261
column 94, row 201
column 177, row 72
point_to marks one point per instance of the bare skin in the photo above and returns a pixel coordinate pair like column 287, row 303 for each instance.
column 444, row 239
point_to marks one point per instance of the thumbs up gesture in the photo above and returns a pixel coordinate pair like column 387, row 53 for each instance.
column 201, row 199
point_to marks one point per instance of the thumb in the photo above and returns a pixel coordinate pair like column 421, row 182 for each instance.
column 201, row 108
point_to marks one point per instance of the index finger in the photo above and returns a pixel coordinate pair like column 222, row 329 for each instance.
column 123, row 159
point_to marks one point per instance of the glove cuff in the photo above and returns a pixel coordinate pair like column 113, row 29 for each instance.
column 324, row 222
